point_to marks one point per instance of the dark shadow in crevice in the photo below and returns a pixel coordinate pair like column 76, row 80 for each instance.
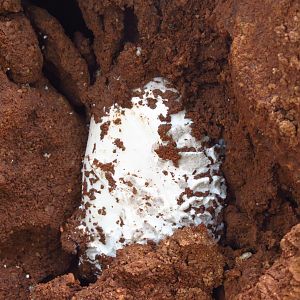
column 218, row 293
column 9, row 75
column 287, row 196
column 130, row 32
column 72, row 267
column 228, row 41
column 51, row 74
column 284, row 192
column 251, row 145
column 159, row 13
column 84, row 282
column 47, row 279
column 68, row 14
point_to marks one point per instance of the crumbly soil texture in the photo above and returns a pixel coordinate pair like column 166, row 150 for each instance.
column 236, row 64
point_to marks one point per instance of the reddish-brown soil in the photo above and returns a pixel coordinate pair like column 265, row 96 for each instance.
column 236, row 64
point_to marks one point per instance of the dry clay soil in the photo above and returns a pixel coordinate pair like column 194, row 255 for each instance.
column 237, row 66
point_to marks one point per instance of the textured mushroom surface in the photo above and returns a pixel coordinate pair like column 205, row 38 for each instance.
column 145, row 175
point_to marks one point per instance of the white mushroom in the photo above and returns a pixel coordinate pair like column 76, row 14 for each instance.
column 131, row 194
